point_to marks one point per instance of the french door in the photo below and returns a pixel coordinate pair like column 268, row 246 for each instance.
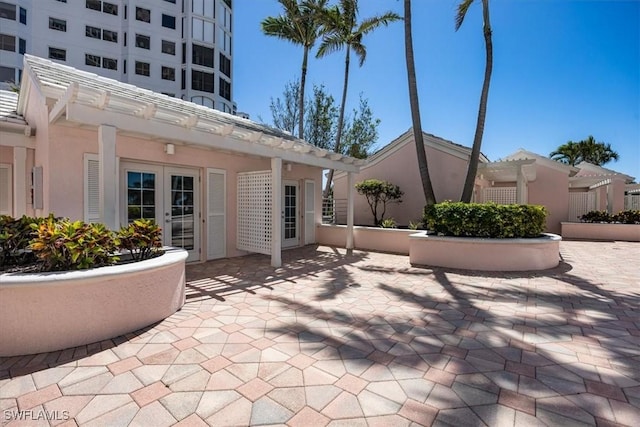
column 290, row 223
column 167, row 195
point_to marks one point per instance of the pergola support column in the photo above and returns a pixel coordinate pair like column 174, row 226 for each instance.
column 107, row 175
column 276, row 212
column 521, row 188
column 350, row 189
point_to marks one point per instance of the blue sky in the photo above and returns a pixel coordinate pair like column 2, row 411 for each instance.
column 563, row 70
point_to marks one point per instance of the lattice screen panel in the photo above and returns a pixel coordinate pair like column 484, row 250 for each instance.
column 580, row 204
column 254, row 212
column 500, row 195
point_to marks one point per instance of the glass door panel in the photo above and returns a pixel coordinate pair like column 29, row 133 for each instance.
column 290, row 217
column 182, row 210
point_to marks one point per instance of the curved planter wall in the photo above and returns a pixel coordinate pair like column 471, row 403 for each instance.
column 470, row 253
column 596, row 231
column 42, row 312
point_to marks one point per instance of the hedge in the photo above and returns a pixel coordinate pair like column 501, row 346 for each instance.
column 485, row 220
column 622, row 217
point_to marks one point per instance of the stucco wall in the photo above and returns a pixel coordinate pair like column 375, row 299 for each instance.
column 551, row 189
column 65, row 185
column 401, row 168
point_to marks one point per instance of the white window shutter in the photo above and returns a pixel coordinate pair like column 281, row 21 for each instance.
column 91, row 188
column 6, row 196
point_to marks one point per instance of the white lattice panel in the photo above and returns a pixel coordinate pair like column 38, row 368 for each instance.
column 254, row 212
column 580, row 204
column 632, row 202
column 499, row 195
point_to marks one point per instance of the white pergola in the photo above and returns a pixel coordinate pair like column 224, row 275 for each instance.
column 519, row 171
column 85, row 99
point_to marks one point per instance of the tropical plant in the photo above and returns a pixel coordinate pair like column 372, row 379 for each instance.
column 622, row 217
column 15, row 235
column 298, row 25
column 485, row 220
column 320, row 119
column 142, row 238
column 587, row 150
column 388, row 223
column 414, row 225
column 361, row 131
column 379, row 193
column 341, row 29
column 463, row 7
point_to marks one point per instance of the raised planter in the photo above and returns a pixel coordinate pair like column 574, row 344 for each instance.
column 366, row 238
column 601, row 231
column 470, row 253
column 41, row 312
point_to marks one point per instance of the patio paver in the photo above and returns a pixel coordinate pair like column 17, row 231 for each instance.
column 360, row 339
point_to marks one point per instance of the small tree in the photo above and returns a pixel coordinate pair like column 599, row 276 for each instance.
column 379, row 192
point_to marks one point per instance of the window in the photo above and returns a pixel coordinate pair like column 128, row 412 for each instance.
column 57, row 24
column 202, row 81
column 143, row 42
column 7, row 74
column 142, row 68
column 93, row 32
column 58, row 54
column 22, row 46
column 141, row 195
column 183, row 84
column 124, row 67
column 7, row 42
column 110, row 8
column 228, row 3
column 168, row 47
column 184, row 53
column 109, row 63
column 94, row 5
column 202, row 30
column 7, row 11
column 124, row 41
column 224, row 88
column 168, row 73
column 110, row 36
column 202, row 55
column 171, row 1
column 169, row 21
column 225, row 65
column 143, row 15
column 23, row 16
column 92, row 60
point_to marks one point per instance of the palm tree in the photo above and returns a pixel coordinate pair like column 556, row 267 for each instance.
column 568, row 153
column 299, row 25
column 418, row 137
column 342, row 30
column 587, row 150
column 463, row 7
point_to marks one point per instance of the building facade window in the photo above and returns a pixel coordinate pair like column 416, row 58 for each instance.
column 143, row 14
column 110, row 8
column 143, row 42
column 8, row 11
column 92, row 60
column 225, row 65
column 94, row 5
column 7, row 74
column 183, row 81
column 57, row 54
column 169, row 21
column 142, row 68
column 23, row 16
column 224, row 88
column 168, row 73
column 57, row 24
column 22, row 46
column 202, row 55
column 202, row 81
column 110, row 63
column 168, row 47
column 92, row 32
column 7, row 42
column 110, row 36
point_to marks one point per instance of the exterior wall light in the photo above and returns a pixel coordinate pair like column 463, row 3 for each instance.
column 170, row 149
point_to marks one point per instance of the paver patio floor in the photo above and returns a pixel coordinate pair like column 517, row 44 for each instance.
column 361, row 340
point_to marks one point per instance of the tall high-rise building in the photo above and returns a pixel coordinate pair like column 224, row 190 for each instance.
column 181, row 48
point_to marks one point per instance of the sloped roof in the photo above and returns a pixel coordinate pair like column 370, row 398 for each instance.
column 523, row 154
column 90, row 99
column 8, row 108
column 590, row 170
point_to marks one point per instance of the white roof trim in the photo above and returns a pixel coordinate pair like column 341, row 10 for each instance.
column 545, row 161
column 88, row 99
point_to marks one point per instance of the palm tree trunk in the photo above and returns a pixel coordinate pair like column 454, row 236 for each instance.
column 303, row 80
column 336, row 147
column 423, row 166
column 469, row 183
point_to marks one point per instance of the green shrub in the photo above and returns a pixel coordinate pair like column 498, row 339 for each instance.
column 623, row 217
column 142, row 238
column 414, row 225
column 485, row 220
column 388, row 223
column 66, row 245
column 15, row 235
column 379, row 192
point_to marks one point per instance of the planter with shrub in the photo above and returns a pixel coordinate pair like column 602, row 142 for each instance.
column 487, row 237
column 71, row 283
column 600, row 225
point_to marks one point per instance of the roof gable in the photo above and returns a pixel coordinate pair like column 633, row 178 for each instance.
column 523, row 154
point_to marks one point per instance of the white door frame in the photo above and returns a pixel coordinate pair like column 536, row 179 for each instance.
column 295, row 241
column 194, row 254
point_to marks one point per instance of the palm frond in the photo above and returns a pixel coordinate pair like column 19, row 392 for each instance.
column 330, row 43
column 370, row 24
column 463, row 7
